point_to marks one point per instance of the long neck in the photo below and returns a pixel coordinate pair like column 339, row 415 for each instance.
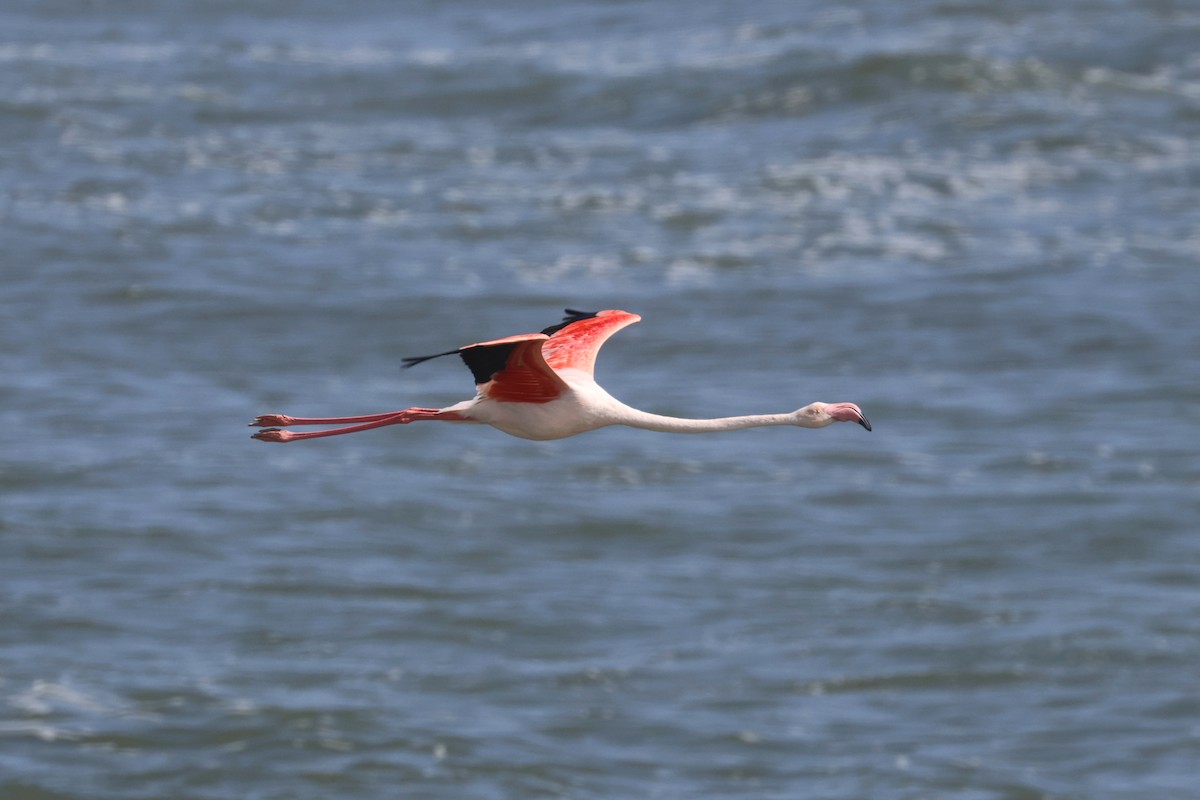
column 635, row 418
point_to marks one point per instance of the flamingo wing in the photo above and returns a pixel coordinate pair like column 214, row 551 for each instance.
column 574, row 342
column 523, row 368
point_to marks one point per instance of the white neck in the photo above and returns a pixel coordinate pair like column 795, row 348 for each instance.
column 635, row 418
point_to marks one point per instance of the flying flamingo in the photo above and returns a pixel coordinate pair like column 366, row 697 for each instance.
column 540, row 386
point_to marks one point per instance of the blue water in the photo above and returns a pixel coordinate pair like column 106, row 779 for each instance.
column 978, row 221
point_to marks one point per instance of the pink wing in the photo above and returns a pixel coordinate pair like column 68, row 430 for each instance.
column 523, row 368
column 574, row 346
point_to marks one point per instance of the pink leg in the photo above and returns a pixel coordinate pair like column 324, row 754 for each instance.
column 283, row 420
column 376, row 421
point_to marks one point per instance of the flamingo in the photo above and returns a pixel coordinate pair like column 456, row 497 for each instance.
column 540, row 386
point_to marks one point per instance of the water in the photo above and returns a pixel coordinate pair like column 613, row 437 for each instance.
column 978, row 221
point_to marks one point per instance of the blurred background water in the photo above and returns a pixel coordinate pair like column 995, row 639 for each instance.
column 978, row 220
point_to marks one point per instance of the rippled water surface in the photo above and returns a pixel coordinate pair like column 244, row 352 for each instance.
column 979, row 221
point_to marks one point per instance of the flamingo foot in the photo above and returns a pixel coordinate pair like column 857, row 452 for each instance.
column 272, row 421
column 273, row 435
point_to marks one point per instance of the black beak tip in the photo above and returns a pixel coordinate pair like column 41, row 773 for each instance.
column 866, row 423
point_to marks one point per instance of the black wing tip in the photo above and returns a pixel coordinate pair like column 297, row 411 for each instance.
column 412, row 361
column 573, row 315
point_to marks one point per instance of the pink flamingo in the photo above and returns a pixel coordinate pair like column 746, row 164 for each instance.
column 540, row 386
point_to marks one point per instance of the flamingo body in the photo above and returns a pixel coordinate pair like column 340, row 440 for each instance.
column 582, row 406
column 541, row 386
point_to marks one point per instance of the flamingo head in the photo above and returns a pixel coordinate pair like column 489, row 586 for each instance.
column 818, row 415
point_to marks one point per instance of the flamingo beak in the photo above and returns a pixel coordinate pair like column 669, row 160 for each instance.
column 848, row 412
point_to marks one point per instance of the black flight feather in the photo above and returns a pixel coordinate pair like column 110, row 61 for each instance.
column 412, row 361
column 572, row 317
column 485, row 362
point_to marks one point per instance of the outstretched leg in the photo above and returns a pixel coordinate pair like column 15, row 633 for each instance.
column 283, row 420
column 368, row 422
